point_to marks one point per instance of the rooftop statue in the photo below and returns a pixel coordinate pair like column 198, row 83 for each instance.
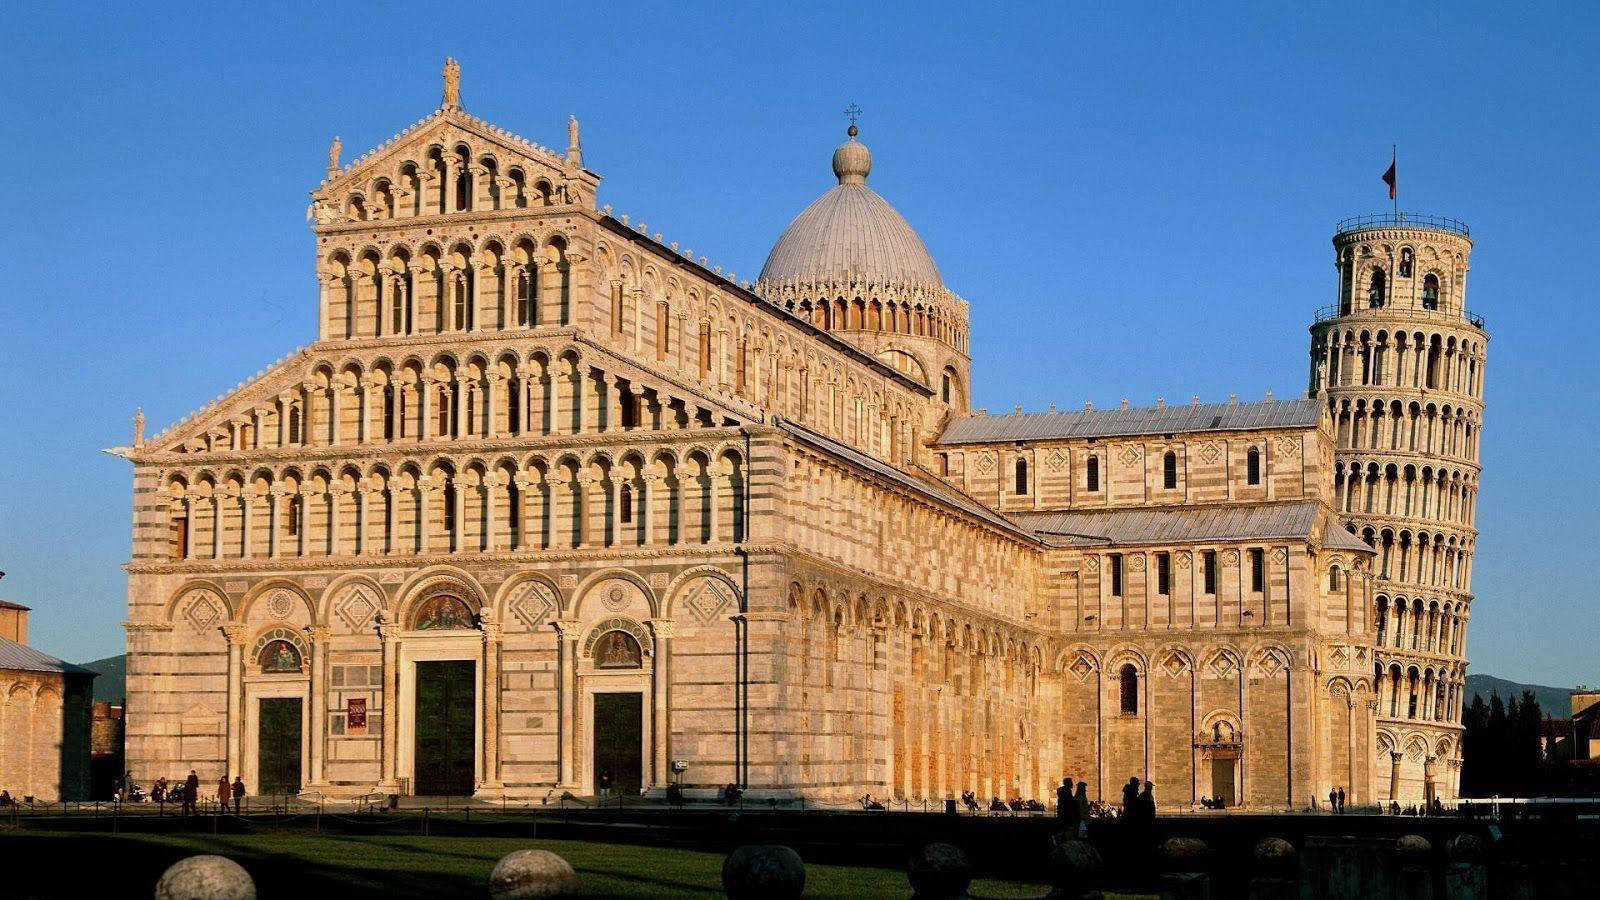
column 452, row 82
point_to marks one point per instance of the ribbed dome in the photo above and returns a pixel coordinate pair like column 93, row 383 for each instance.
column 850, row 233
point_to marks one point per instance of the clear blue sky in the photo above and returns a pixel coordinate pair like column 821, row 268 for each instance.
column 1137, row 202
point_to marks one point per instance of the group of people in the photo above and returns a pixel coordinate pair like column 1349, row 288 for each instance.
column 187, row 793
column 1436, row 808
column 970, row 801
column 1336, row 801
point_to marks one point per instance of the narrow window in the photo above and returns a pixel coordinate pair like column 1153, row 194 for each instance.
column 1334, row 583
column 1022, row 476
column 1209, row 563
column 1252, row 466
column 449, row 507
column 944, row 465
column 294, row 424
column 1258, row 567
column 514, row 405
column 513, row 512
column 1163, row 573
column 294, row 515
column 1405, row 263
column 1093, row 478
column 1430, row 292
column 630, row 408
column 444, row 411
column 388, row 412
column 1375, row 291
column 1128, row 678
column 522, row 298
column 1169, row 470
column 944, row 387
column 472, row 410
column 180, row 537
column 626, row 500
column 1115, row 561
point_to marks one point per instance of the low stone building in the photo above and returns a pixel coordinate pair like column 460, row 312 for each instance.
column 44, row 717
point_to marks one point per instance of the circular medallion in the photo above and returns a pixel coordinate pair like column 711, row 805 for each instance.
column 615, row 599
column 280, row 604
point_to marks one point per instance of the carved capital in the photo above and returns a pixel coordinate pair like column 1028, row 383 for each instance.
column 661, row 628
column 234, row 632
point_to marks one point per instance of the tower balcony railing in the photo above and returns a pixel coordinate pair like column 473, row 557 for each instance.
column 1402, row 220
column 1363, row 310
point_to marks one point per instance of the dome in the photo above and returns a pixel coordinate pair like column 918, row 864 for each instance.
column 850, row 234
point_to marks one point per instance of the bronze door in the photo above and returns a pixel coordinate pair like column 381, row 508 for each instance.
column 619, row 742
column 1222, row 780
column 278, row 745
column 445, row 734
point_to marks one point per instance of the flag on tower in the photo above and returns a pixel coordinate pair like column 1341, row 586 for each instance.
column 1389, row 178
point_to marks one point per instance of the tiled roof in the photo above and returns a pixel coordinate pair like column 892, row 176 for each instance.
column 20, row 656
column 7, row 604
column 1176, row 525
column 1336, row 538
column 930, row 486
column 1143, row 420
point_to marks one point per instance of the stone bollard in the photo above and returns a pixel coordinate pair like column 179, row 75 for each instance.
column 1184, row 860
column 1276, row 870
column 205, row 877
column 528, row 874
column 939, row 872
column 1074, row 866
column 1413, row 881
column 1466, row 878
column 758, row 871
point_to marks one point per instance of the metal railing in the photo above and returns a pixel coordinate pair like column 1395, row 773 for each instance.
column 1362, row 311
column 1403, row 220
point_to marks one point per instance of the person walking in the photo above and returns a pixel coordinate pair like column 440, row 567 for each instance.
column 1333, row 800
column 1081, row 801
column 191, row 793
column 224, row 792
column 1341, row 801
column 1064, row 805
column 1130, row 797
column 238, row 793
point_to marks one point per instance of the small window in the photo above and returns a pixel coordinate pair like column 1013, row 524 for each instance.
column 1169, row 470
column 294, row 424
column 1115, row 561
column 1092, row 480
column 1208, row 561
column 1022, row 476
column 1258, row 569
column 449, row 507
column 180, row 537
column 1252, row 466
column 388, row 412
column 944, row 388
column 1430, row 292
column 1334, row 581
column 1405, row 263
column 294, row 515
column 626, row 500
column 1163, row 573
column 1128, row 678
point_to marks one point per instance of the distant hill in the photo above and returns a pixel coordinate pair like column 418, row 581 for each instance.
column 1553, row 701
column 113, row 681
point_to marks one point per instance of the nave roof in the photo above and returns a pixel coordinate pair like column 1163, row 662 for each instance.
column 1186, row 525
column 1088, row 423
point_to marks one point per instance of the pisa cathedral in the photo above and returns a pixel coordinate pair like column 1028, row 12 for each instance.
column 550, row 499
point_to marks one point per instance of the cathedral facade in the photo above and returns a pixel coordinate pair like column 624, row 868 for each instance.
column 551, row 503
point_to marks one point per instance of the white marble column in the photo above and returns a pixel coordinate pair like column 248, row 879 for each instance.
column 318, row 635
column 389, row 634
column 234, row 632
column 567, row 637
column 661, row 702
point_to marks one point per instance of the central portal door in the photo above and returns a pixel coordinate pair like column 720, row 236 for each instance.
column 619, row 741
column 278, row 745
column 1222, row 780
column 445, row 734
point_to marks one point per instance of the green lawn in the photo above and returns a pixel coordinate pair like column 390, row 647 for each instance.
column 54, row 864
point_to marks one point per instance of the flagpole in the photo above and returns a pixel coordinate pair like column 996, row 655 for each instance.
column 1394, row 164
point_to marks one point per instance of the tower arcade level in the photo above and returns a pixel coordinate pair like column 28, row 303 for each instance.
column 1398, row 361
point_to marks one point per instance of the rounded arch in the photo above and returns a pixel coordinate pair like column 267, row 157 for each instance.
column 580, row 594
column 433, row 581
column 677, row 589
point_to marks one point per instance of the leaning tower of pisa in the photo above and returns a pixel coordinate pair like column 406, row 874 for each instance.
column 1398, row 359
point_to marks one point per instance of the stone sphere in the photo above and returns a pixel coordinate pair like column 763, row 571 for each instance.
column 526, row 874
column 770, row 872
column 939, row 870
column 1274, row 850
column 1073, row 864
column 1465, row 848
column 1182, row 851
column 205, row 877
column 1412, row 847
